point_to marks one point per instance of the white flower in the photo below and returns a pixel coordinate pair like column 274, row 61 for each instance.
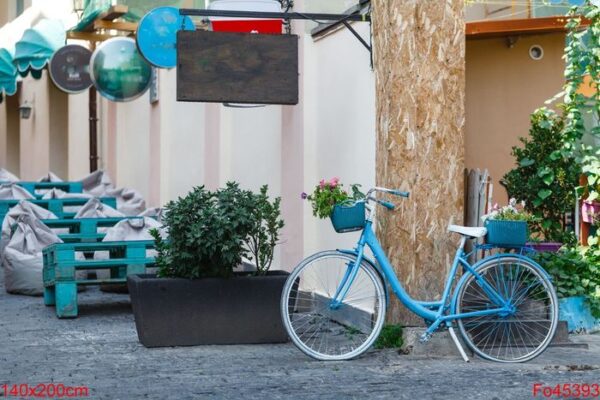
column 491, row 215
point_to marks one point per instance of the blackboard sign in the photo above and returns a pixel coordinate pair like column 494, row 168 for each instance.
column 227, row 67
column 70, row 68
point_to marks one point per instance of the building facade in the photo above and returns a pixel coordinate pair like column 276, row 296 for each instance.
column 164, row 148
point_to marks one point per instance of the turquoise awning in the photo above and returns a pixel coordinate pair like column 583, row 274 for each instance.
column 34, row 50
column 8, row 74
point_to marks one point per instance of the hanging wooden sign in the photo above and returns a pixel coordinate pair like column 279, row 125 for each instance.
column 228, row 67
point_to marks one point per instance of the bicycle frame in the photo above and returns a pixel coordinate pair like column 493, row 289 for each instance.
column 430, row 310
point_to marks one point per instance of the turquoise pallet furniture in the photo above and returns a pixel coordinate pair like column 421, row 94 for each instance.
column 31, row 187
column 57, row 206
column 83, row 229
column 61, row 266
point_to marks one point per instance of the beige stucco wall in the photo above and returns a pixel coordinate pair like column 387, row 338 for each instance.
column 180, row 142
column 9, row 136
column 35, row 131
column 504, row 86
column 58, row 131
column 339, row 134
column 8, row 9
column 132, row 145
column 78, row 136
column 3, row 133
column 40, row 144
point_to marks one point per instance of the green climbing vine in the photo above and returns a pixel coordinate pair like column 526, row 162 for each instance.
column 582, row 58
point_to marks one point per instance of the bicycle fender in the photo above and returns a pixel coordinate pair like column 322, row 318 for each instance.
column 478, row 265
column 373, row 264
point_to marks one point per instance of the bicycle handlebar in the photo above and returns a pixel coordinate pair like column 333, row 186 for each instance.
column 392, row 191
column 386, row 204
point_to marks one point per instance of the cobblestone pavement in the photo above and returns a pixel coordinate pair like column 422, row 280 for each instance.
column 100, row 350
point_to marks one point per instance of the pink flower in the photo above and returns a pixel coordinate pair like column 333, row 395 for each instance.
column 322, row 183
column 334, row 181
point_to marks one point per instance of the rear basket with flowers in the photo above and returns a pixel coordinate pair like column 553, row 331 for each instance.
column 346, row 209
column 507, row 226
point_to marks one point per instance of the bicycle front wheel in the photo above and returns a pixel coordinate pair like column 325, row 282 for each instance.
column 322, row 328
column 526, row 329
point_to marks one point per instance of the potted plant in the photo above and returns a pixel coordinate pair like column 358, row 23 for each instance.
column 576, row 276
column 507, row 226
column 346, row 209
column 197, row 297
column 545, row 177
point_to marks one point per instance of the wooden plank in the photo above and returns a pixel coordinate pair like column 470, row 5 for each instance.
column 118, row 26
column 116, row 11
column 103, row 264
column 111, row 14
column 483, row 188
column 89, row 36
column 471, row 203
column 227, row 67
column 419, row 71
column 516, row 27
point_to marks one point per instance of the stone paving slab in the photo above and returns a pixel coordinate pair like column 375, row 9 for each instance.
column 100, row 350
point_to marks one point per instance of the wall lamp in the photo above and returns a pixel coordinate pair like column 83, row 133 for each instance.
column 26, row 109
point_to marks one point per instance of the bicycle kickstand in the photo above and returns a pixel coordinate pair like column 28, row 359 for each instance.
column 457, row 343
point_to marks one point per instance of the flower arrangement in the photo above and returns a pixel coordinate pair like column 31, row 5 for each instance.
column 329, row 193
column 507, row 226
column 512, row 212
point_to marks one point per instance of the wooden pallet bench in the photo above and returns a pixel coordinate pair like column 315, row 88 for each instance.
column 56, row 206
column 31, row 187
column 61, row 267
column 83, row 229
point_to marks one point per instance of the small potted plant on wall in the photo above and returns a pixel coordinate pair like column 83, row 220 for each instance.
column 545, row 177
column 197, row 297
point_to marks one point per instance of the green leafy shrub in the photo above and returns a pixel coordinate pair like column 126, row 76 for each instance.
column 390, row 337
column 329, row 193
column 210, row 232
column 264, row 231
column 575, row 272
column 545, row 176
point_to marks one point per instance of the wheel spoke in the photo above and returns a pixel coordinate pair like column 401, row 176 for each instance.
column 325, row 330
column 507, row 336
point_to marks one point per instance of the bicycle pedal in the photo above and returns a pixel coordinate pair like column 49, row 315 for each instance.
column 425, row 337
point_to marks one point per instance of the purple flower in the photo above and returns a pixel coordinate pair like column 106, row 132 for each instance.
column 303, row 196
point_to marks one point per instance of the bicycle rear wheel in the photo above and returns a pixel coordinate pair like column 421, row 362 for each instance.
column 521, row 334
column 321, row 329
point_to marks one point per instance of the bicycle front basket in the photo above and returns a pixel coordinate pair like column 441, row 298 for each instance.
column 348, row 217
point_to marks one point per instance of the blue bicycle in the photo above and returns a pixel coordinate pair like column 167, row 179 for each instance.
column 333, row 304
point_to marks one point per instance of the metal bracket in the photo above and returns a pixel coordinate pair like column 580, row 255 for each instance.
column 272, row 15
column 360, row 39
column 335, row 18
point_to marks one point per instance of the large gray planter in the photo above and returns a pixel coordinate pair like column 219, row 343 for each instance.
column 183, row 312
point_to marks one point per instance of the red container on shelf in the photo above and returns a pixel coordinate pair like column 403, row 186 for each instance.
column 248, row 25
column 264, row 26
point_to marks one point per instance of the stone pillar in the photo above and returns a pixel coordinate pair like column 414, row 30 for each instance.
column 419, row 61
